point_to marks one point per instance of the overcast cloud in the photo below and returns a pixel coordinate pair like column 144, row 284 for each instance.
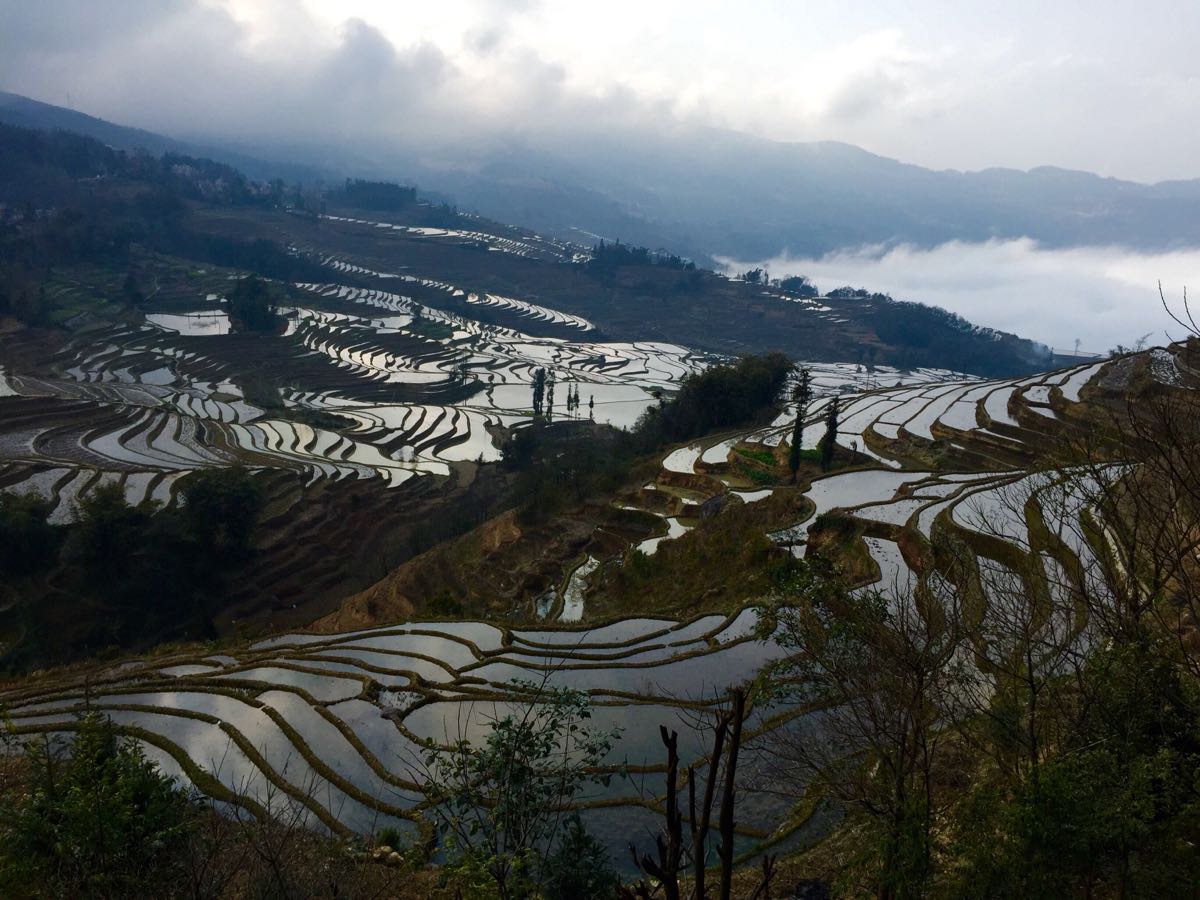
column 1112, row 87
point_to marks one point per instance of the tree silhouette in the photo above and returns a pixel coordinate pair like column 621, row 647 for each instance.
column 539, row 390
column 803, row 397
column 829, row 441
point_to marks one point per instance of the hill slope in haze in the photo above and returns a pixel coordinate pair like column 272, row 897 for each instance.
column 708, row 192
column 722, row 193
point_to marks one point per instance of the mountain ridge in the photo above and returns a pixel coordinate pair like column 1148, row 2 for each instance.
column 708, row 193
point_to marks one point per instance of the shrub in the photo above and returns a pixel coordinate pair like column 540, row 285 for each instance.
column 580, row 868
column 499, row 804
column 101, row 822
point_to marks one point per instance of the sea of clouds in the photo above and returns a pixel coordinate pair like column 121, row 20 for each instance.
column 1100, row 296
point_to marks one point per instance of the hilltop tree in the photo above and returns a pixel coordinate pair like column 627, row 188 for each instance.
column 803, row 397
column 718, row 397
column 384, row 196
column 250, row 305
column 130, row 290
column 607, row 259
column 829, row 441
column 799, row 285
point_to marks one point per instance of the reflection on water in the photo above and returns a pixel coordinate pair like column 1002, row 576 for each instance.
column 201, row 323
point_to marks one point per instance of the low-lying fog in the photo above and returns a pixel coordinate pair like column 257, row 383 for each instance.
column 1100, row 296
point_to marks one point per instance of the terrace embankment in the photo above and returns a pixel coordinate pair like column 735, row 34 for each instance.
column 494, row 570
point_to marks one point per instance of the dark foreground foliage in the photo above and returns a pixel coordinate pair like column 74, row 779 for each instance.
column 99, row 822
column 125, row 575
column 94, row 818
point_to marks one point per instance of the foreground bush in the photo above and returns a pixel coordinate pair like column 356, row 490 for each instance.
column 101, row 822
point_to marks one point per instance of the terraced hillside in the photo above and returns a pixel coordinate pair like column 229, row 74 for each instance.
column 364, row 412
column 635, row 296
column 915, row 446
column 376, row 380
column 333, row 721
column 416, row 389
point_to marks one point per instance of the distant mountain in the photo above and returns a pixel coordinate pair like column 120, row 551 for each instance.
column 707, row 192
column 18, row 110
column 720, row 193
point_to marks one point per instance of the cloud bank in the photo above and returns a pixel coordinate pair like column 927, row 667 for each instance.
column 1101, row 296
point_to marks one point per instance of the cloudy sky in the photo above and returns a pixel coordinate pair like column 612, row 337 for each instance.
column 1112, row 87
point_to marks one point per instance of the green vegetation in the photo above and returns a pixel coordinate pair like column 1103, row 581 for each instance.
column 757, row 476
column 803, row 395
column 828, row 444
column 499, row 805
column 607, row 259
column 1036, row 745
column 104, row 203
column 378, row 195
column 981, row 742
column 221, row 508
column 799, row 285
column 719, row 397
column 251, row 307
column 126, row 575
column 1114, row 802
column 97, row 822
column 766, row 457
column 580, row 868
column 110, row 533
column 914, row 328
column 724, row 560
column 28, row 542
column 96, row 819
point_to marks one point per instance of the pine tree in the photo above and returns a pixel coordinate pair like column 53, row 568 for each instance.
column 829, row 441
column 539, row 390
column 130, row 290
column 803, row 397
